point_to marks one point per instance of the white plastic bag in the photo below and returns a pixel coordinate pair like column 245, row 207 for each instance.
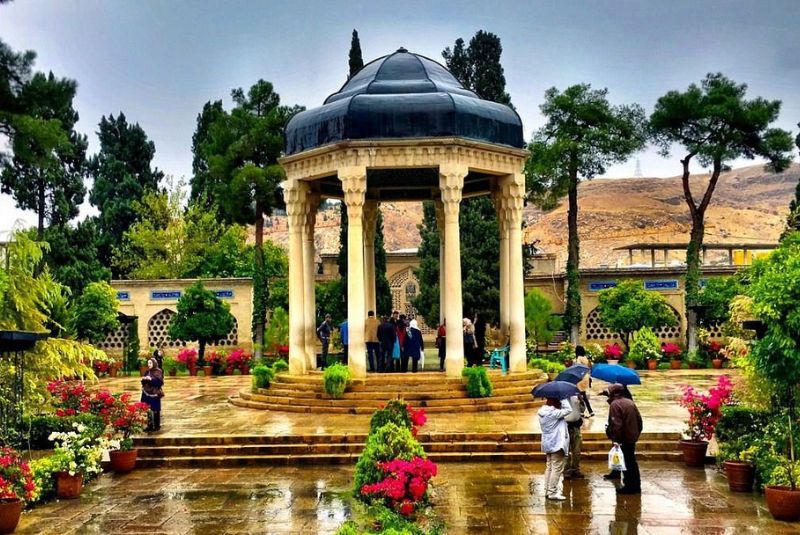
column 616, row 461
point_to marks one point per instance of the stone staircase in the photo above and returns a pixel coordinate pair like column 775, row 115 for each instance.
column 232, row 451
column 432, row 390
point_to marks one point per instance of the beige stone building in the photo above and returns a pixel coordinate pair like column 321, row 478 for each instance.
column 153, row 302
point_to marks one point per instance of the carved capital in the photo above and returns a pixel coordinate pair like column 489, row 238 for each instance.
column 451, row 185
column 295, row 193
column 354, row 186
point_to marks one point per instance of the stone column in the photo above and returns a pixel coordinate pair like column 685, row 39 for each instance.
column 354, row 185
column 451, row 184
column 370, row 218
column 439, row 209
column 309, row 278
column 514, row 194
column 295, row 193
column 504, row 293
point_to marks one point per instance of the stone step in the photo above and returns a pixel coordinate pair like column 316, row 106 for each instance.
column 326, row 459
column 385, row 394
column 350, row 448
column 411, row 379
column 369, row 408
column 360, row 438
column 375, row 403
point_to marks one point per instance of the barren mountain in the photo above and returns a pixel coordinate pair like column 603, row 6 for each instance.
column 749, row 206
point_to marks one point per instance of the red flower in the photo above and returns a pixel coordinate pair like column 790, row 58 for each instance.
column 406, row 508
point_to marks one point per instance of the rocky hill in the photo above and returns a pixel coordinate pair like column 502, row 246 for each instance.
column 749, row 205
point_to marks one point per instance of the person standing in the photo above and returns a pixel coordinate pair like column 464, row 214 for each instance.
column 624, row 428
column 584, row 384
column 158, row 354
column 401, row 328
column 469, row 342
column 414, row 346
column 574, row 423
column 480, row 338
column 387, row 336
column 324, row 332
column 344, row 334
column 152, row 392
column 441, row 343
column 371, row 338
column 555, row 444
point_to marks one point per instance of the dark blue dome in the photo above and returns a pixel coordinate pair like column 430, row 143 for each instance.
column 403, row 95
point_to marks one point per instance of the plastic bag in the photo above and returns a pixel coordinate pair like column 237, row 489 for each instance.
column 616, row 461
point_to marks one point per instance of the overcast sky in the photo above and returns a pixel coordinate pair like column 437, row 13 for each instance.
column 159, row 61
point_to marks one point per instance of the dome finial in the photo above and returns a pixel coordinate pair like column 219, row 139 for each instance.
column 402, row 50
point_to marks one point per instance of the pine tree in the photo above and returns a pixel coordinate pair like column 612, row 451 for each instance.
column 122, row 174
column 427, row 300
column 202, row 184
column 356, row 61
column 793, row 221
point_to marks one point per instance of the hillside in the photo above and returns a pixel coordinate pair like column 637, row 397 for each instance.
column 749, row 205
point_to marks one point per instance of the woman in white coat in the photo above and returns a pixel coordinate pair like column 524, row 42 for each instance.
column 555, row 444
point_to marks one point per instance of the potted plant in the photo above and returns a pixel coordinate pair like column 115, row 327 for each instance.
column 672, row 352
column 740, row 468
column 127, row 419
column 142, row 363
column 565, row 354
column 695, row 360
column 714, row 351
column 645, row 348
column 704, row 413
column 171, row 366
column 79, row 453
column 781, row 492
column 16, row 488
column 188, row 357
column 215, row 360
column 612, row 353
column 239, row 359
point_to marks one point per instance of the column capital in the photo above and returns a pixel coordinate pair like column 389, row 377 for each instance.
column 295, row 194
column 451, row 185
column 354, row 186
column 511, row 198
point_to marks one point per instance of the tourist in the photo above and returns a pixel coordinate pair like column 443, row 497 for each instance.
column 152, row 381
column 585, row 383
column 344, row 336
column 371, row 338
column 574, row 423
column 414, row 347
column 480, row 338
column 555, row 444
column 624, row 428
column 387, row 336
column 158, row 354
column 395, row 317
column 401, row 328
column 441, row 343
column 324, row 332
column 469, row 342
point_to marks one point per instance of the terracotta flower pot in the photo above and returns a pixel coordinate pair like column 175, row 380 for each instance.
column 207, row 370
column 142, row 370
column 229, row 370
column 112, row 371
column 652, row 364
column 568, row 363
column 123, row 461
column 783, row 503
column 173, row 372
column 740, row 476
column 716, row 363
column 694, row 452
column 193, row 371
column 245, row 369
column 674, row 365
column 630, row 364
column 10, row 512
column 68, row 487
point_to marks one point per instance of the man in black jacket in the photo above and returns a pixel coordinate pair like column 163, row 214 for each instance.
column 386, row 338
column 624, row 428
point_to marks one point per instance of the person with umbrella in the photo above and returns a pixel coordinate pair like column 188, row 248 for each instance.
column 555, row 438
column 624, row 428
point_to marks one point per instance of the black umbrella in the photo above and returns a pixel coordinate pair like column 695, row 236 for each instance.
column 555, row 389
column 573, row 374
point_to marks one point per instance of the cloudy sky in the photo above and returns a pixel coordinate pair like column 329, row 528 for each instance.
column 159, row 61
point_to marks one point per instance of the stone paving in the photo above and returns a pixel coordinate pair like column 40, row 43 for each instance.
column 198, row 406
column 497, row 498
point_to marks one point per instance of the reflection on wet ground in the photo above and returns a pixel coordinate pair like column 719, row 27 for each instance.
column 497, row 498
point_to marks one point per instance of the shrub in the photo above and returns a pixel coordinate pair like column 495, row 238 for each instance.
column 545, row 365
column 738, row 430
column 400, row 414
column 705, row 409
column 644, row 346
column 405, row 486
column 336, row 379
column 280, row 365
column 79, row 452
column 696, row 358
column 262, row 376
column 671, row 351
column 380, row 519
column 478, row 383
column 44, row 470
column 16, row 479
column 388, row 443
column 663, row 366
column 41, row 427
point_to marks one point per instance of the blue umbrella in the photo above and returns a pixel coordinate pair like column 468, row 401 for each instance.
column 555, row 389
column 573, row 374
column 614, row 373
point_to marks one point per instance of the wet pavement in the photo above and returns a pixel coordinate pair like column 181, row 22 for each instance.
column 497, row 498
column 198, row 406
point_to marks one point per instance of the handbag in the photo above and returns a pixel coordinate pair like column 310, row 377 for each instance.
column 616, row 461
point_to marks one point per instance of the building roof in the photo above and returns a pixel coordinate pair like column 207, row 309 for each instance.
column 403, row 95
column 709, row 246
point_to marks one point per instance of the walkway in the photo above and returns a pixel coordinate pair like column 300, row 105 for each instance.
column 500, row 498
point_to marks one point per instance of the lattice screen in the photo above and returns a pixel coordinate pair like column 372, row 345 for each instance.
column 233, row 336
column 116, row 339
column 404, row 288
column 595, row 330
column 158, row 330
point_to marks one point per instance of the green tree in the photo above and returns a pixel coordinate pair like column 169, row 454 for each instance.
column 201, row 317
column 628, row 307
column 793, row 220
column 427, row 300
column 716, row 124
column 478, row 66
column 383, row 292
column 715, row 299
column 72, row 255
column 356, row 62
column 583, row 135
column 201, row 182
column 45, row 178
column 539, row 319
column 122, row 174
column 242, row 149
column 94, row 314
